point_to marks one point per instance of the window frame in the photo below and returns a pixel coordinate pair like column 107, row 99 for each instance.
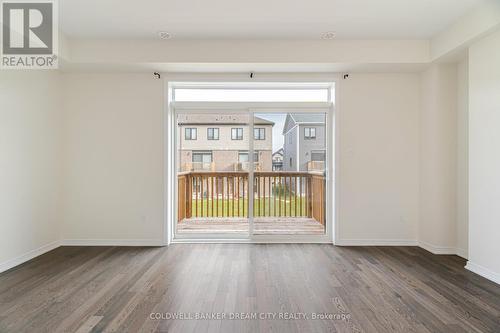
column 202, row 153
column 229, row 80
column 237, row 129
column 318, row 151
column 191, row 130
column 260, row 130
column 246, row 152
column 310, row 136
column 251, row 93
column 213, row 138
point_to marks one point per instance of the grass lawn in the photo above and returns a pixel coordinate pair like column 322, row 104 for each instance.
column 262, row 207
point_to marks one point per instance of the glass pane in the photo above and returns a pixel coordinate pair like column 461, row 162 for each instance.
column 251, row 95
column 243, row 157
column 212, row 177
column 289, row 196
column 196, row 158
column 207, row 158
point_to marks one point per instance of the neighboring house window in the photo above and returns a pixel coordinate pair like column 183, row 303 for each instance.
column 309, row 133
column 190, row 133
column 202, row 157
column 319, row 156
column 212, row 133
column 259, row 133
column 291, row 163
column 236, row 133
column 243, row 156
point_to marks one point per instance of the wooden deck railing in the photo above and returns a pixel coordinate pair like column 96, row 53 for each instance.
column 276, row 194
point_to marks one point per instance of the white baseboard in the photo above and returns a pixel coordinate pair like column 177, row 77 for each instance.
column 483, row 271
column 462, row 253
column 376, row 242
column 159, row 242
column 403, row 242
column 6, row 265
column 434, row 249
column 112, row 242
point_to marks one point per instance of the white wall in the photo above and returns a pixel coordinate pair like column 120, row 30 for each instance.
column 114, row 170
column 484, row 157
column 105, row 153
column 438, row 159
column 30, row 164
column 379, row 159
column 195, row 55
column 113, row 153
column 462, row 158
column 477, row 23
column 111, row 165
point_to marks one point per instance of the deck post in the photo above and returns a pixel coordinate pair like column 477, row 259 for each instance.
column 189, row 196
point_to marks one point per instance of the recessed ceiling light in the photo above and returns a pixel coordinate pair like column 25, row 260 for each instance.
column 328, row 35
column 164, row 35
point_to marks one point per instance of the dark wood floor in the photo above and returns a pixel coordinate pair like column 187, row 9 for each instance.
column 370, row 289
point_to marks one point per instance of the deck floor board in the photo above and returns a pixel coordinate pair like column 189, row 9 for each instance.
column 262, row 226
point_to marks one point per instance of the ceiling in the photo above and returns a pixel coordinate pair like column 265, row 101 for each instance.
column 260, row 19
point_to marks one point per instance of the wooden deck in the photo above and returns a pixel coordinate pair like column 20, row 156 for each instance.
column 262, row 226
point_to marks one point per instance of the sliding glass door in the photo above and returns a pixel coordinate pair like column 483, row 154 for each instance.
column 290, row 187
column 252, row 163
column 252, row 173
column 213, row 174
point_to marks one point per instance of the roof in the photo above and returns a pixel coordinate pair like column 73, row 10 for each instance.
column 220, row 119
column 280, row 151
column 293, row 119
column 262, row 121
column 307, row 118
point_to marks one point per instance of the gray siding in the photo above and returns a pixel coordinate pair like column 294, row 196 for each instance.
column 289, row 123
column 306, row 146
column 290, row 150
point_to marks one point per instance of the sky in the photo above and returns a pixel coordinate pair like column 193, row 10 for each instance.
column 279, row 122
